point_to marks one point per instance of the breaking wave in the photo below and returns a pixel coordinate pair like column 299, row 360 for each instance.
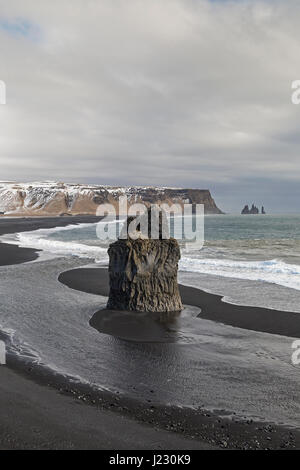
column 42, row 239
column 80, row 240
column 274, row 271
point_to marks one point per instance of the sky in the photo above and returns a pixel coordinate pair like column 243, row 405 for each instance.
column 181, row 93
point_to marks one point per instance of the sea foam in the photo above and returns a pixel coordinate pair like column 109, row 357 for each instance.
column 273, row 271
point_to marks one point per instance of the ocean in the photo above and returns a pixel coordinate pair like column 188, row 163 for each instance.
column 260, row 251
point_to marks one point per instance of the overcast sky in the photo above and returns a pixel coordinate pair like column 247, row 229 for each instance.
column 188, row 93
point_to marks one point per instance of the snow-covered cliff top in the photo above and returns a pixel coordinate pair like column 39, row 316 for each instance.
column 54, row 198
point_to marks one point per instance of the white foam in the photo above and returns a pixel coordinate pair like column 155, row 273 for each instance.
column 273, row 271
column 39, row 239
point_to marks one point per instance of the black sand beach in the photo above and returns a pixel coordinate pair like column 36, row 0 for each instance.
column 40, row 411
column 12, row 254
column 23, row 224
column 212, row 308
column 36, row 415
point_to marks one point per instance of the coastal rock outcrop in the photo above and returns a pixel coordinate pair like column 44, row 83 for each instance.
column 253, row 210
column 245, row 210
column 143, row 274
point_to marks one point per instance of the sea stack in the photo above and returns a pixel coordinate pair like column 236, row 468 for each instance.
column 253, row 210
column 143, row 270
column 245, row 210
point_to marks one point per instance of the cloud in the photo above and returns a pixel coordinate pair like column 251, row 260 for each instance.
column 177, row 92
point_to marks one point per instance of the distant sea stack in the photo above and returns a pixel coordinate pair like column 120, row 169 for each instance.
column 253, row 210
column 51, row 198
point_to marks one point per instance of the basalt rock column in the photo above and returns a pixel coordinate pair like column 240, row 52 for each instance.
column 143, row 275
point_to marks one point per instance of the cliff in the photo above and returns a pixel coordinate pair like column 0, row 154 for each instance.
column 51, row 198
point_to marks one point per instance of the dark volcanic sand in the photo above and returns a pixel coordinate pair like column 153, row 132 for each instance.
column 14, row 225
column 226, row 433
column 35, row 415
column 58, row 415
column 95, row 281
column 12, row 254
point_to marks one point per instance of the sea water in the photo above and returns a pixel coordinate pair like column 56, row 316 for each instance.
column 260, row 254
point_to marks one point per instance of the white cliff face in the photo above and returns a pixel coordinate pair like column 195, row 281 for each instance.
column 55, row 198
column 11, row 198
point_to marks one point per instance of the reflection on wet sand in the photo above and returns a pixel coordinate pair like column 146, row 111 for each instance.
column 149, row 327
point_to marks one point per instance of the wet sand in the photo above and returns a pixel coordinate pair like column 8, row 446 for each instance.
column 60, row 415
column 37, row 412
column 12, row 254
column 95, row 281
column 34, row 416
column 22, row 224
column 247, row 434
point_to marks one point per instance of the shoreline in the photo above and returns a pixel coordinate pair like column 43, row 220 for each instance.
column 59, row 414
column 175, row 427
column 212, row 307
column 11, row 225
column 13, row 253
column 63, row 419
column 188, row 427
